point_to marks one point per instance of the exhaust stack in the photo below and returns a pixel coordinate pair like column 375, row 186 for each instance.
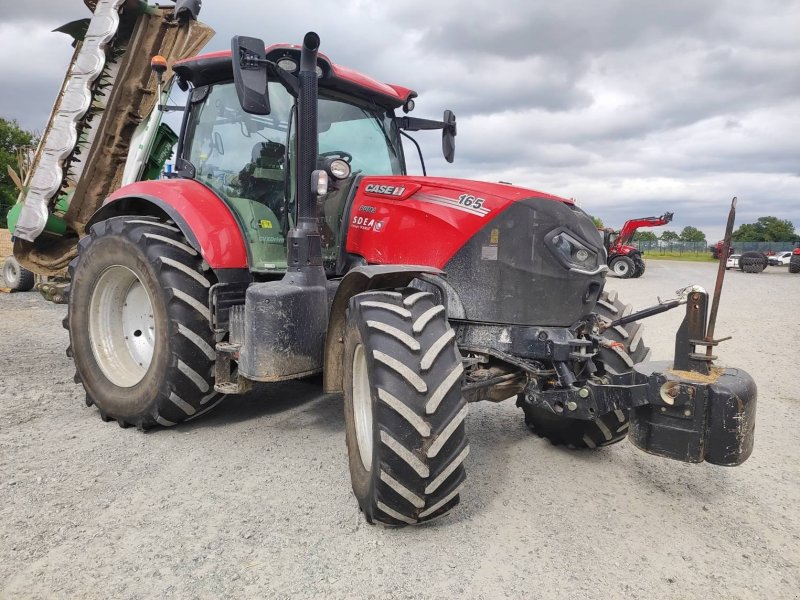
column 293, row 313
column 307, row 146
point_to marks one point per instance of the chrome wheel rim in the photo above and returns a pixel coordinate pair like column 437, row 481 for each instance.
column 10, row 272
column 620, row 268
column 122, row 329
column 362, row 407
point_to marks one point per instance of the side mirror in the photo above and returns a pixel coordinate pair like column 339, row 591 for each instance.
column 187, row 10
column 449, row 136
column 250, row 74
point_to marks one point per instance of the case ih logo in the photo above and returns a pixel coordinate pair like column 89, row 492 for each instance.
column 385, row 190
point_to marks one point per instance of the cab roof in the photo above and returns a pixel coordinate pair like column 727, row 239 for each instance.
column 215, row 67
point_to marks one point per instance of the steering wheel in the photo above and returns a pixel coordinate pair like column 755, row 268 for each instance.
column 345, row 156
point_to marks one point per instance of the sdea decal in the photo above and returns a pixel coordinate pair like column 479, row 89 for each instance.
column 368, row 224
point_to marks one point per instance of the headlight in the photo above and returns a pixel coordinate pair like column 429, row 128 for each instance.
column 571, row 252
column 339, row 169
column 287, row 64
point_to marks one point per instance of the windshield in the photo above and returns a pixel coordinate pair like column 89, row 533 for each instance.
column 361, row 133
column 244, row 159
column 241, row 155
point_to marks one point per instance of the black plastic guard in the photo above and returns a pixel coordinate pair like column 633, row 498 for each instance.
column 696, row 418
column 284, row 327
column 506, row 273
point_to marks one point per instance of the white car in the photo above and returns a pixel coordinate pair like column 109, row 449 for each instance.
column 733, row 261
column 781, row 258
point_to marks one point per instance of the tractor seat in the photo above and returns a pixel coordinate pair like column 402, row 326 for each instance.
column 262, row 179
column 267, row 160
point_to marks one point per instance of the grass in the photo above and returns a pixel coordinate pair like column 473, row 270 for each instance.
column 687, row 256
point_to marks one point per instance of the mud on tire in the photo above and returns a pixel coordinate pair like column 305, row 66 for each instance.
column 177, row 384
column 609, row 428
column 404, row 411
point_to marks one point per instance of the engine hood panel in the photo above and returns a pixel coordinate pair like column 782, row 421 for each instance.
column 425, row 220
column 490, row 239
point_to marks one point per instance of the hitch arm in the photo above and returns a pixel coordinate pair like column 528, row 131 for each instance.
column 682, row 297
column 645, row 312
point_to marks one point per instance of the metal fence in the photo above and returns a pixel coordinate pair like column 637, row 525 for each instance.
column 704, row 248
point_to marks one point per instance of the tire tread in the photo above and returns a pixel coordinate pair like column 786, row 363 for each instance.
column 183, row 394
column 412, row 419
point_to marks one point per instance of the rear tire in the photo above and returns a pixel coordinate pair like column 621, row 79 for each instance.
column 138, row 322
column 752, row 262
column 17, row 277
column 609, row 428
column 623, row 267
column 404, row 411
column 794, row 263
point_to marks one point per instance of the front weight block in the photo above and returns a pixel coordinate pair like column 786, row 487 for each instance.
column 693, row 417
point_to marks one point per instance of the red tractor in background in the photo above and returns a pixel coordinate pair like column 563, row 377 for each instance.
column 626, row 261
column 716, row 250
column 794, row 261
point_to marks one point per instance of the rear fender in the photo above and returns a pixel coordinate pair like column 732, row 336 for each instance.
column 203, row 217
column 360, row 279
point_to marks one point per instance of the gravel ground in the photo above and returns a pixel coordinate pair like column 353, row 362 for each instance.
column 254, row 500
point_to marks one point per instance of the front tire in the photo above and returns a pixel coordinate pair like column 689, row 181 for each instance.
column 17, row 277
column 623, row 267
column 404, row 411
column 794, row 263
column 138, row 322
column 610, row 428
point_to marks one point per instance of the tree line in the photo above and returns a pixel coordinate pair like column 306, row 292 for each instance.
column 765, row 229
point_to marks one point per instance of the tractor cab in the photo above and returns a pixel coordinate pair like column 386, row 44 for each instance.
column 246, row 158
column 610, row 237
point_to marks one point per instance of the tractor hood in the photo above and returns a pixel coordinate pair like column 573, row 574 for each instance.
column 449, row 211
column 499, row 192
column 498, row 244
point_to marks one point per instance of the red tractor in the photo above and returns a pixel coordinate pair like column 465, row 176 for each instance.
column 291, row 241
column 716, row 250
column 794, row 261
column 626, row 261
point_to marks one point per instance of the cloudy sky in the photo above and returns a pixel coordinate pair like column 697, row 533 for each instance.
column 632, row 107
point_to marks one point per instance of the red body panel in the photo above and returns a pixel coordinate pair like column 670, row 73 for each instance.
column 208, row 217
column 424, row 220
column 398, row 93
column 620, row 251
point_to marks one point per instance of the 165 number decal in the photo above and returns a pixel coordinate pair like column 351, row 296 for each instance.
column 471, row 201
